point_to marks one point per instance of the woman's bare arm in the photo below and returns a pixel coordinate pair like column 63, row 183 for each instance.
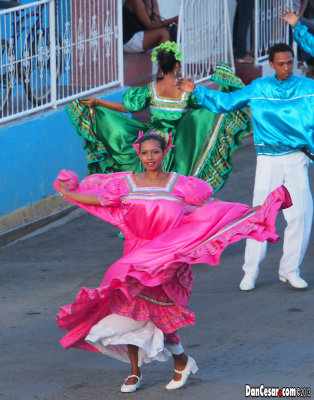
column 138, row 7
column 94, row 101
column 89, row 199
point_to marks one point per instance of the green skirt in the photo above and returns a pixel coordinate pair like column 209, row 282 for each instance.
column 204, row 141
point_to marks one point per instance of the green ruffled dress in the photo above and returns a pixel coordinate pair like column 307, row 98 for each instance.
column 204, row 141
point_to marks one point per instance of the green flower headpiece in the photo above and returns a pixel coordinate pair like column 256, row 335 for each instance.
column 167, row 46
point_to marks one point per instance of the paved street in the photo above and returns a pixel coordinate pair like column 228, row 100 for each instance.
column 259, row 337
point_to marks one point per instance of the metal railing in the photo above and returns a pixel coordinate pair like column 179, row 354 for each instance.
column 54, row 51
column 204, row 37
column 268, row 27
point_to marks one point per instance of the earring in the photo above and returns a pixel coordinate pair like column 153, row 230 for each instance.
column 160, row 75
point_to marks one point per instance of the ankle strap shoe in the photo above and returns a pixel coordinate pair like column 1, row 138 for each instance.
column 131, row 388
column 190, row 367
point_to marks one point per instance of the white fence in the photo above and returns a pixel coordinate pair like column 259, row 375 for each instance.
column 55, row 51
column 52, row 51
column 269, row 28
column 204, row 37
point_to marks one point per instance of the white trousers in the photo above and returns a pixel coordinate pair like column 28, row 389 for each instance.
column 290, row 170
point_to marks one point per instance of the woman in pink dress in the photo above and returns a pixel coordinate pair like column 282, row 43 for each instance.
column 169, row 222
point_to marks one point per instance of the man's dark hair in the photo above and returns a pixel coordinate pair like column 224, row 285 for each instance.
column 279, row 48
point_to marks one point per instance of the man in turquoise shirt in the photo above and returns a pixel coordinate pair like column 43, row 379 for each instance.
column 282, row 109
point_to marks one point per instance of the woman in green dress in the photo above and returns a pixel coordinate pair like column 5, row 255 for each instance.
column 204, row 141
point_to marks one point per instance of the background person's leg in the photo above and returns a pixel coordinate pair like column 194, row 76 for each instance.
column 243, row 18
column 155, row 37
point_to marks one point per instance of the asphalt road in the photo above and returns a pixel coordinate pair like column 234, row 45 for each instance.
column 263, row 337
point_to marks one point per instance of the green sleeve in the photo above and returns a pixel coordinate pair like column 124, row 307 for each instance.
column 136, row 99
column 192, row 102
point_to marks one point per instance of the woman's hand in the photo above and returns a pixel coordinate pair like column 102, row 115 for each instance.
column 256, row 208
column 63, row 189
column 94, row 101
column 187, row 85
column 288, row 16
column 174, row 19
column 90, row 101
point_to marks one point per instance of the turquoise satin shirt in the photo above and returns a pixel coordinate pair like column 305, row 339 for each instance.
column 303, row 38
column 282, row 111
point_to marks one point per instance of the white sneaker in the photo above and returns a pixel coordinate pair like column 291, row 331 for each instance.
column 131, row 388
column 294, row 280
column 247, row 283
column 190, row 367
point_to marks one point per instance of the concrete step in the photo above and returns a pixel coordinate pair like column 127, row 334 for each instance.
column 138, row 69
column 248, row 72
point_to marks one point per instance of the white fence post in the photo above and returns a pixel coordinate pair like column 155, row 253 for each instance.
column 120, row 45
column 53, row 58
column 256, row 29
column 228, row 43
column 180, row 35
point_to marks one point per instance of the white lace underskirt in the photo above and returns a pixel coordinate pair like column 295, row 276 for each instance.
column 113, row 333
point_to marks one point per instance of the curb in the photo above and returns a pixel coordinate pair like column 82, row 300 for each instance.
column 16, row 233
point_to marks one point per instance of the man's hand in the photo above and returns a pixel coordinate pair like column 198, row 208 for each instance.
column 288, row 16
column 187, row 85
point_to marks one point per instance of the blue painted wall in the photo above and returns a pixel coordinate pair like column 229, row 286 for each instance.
column 33, row 151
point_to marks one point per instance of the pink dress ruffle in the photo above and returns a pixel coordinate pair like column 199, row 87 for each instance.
column 166, row 229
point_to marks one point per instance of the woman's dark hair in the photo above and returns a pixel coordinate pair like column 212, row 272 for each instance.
column 153, row 136
column 279, row 48
column 166, row 60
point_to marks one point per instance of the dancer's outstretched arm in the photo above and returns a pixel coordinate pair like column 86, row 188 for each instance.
column 89, row 199
column 94, row 101
column 215, row 101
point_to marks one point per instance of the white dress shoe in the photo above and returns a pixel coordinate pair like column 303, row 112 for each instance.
column 247, row 283
column 294, row 280
column 131, row 388
column 190, row 367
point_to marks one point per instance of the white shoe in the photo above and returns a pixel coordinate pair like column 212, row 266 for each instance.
column 247, row 283
column 190, row 367
column 294, row 280
column 131, row 388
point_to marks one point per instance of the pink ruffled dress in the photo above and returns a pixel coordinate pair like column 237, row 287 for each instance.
column 143, row 299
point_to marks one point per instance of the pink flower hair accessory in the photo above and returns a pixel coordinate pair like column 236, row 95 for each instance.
column 136, row 145
column 169, row 144
column 167, row 137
